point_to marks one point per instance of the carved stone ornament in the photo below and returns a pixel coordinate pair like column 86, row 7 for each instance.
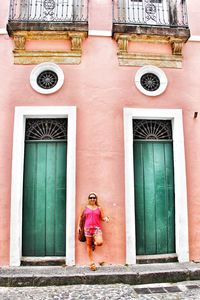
column 23, row 56
column 19, row 41
column 173, row 60
column 177, row 47
column 76, row 41
column 123, row 44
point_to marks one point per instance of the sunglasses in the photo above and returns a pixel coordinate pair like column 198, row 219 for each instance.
column 92, row 197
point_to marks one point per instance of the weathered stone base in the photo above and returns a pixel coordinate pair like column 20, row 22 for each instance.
column 132, row 274
column 173, row 60
column 25, row 57
column 141, row 59
column 36, row 57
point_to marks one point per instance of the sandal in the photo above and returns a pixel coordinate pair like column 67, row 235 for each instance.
column 93, row 267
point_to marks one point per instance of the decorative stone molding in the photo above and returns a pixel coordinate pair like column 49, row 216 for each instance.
column 23, row 56
column 19, row 41
column 76, row 41
column 173, row 60
column 143, row 59
column 123, row 44
column 177, row 46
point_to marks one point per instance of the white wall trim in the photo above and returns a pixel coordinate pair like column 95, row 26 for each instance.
column 21, row 113
column 194, row 38
column 100, row 32
column 3, row 31
column 46, row 66
column 181, row 212
column 157, row 72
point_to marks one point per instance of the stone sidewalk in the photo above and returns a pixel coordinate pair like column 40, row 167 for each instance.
column 108, row 274
column 183, row 291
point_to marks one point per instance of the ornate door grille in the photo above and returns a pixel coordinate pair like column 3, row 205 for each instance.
column 46, row 129
column 152, row 130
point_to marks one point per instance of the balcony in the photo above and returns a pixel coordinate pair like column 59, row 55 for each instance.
column 129, row 14
column 48, row 15
column 48, row 20
column 151, row 21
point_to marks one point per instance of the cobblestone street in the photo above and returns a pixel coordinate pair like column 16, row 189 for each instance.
column 183, row 290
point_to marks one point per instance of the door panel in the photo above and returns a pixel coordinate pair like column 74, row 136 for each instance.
column 44, row 201
column 154, row 197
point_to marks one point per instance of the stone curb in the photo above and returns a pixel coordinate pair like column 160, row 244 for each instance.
column 134, row 275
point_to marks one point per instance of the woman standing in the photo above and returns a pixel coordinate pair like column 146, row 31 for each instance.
column 93, row 215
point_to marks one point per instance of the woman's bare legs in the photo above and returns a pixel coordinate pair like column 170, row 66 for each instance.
column 90, row 252
column 98, row 239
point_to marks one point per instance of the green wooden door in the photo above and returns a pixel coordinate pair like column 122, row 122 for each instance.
column 154, row 197
column 44, row 199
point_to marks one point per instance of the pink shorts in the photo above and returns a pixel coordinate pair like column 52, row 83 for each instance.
column 92, row 231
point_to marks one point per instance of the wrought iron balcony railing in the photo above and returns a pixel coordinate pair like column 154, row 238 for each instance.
column 48, row 11
column 170, row 13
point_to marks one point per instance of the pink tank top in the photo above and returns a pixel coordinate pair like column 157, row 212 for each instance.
column 92, row 217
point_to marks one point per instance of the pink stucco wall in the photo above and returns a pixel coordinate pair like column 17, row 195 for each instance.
column 101, row 89
column 193, row 16
column 4, row 13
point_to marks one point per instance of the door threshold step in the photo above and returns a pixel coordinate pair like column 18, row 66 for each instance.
column 155, row 259
column 109, row 274
column 43, row 261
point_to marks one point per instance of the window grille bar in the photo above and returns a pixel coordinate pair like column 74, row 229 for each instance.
column 151, row 140
column 43, row 141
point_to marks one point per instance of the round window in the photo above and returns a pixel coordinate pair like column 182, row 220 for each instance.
column 46, row 78
column 151, row 81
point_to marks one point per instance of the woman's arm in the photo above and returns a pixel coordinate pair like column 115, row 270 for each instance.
column 79, row 218
column 103, row 217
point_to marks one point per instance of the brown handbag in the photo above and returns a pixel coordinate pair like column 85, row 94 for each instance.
column 81, row 233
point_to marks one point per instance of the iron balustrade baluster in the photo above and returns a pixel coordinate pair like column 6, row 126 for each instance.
column 119, row 13
column 171, row 13
column 15, row 8
column 160, row 13
column 137, row 15
column 166, row 16
column 21, row 10
column 143, row 13
column 48, row 10
column 184, row 15
column 129, row 11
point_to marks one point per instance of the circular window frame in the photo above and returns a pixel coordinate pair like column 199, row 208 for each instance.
column 47, row 66
column 156, row 71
